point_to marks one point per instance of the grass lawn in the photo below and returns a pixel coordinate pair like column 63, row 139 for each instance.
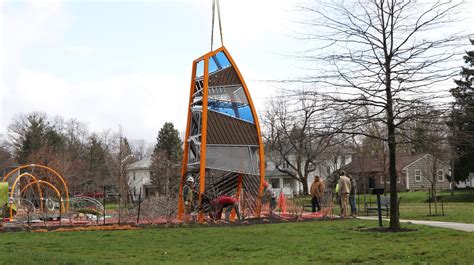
column 453, row 212
column 457, row 208
column 295, row 243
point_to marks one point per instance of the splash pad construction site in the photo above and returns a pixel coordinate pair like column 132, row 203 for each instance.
column 223, row 153
column 36, row 197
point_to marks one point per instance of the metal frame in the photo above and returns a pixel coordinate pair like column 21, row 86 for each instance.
column 202, row 163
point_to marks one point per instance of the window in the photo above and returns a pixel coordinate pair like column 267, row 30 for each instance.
column 440, row 176
column 287, row 183
column 133, row 176
column 417, row 176
column 284, row 165
column 275, row 183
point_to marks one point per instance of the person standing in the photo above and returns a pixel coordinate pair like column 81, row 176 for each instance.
column 269, row 196
column 343, row 188
column 352, row 196
column 188, row 197
column 316, row 191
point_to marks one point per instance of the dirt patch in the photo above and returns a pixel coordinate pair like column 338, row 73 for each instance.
column 88, row 228
column 173, row 224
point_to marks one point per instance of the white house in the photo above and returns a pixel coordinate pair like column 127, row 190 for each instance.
column 282, row 182
column 139, row 178
column 469, row 182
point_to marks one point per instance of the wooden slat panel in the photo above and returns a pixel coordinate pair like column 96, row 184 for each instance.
column 223, row 129
column 224, row 77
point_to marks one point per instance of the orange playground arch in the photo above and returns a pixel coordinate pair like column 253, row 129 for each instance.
column 59, row 185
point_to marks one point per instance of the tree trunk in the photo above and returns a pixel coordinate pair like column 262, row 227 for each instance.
column 434, row 195
column 394, row 216
column 305, row 186
column 392, row 169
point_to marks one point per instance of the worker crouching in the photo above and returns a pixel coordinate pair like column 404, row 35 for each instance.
column 229, row 203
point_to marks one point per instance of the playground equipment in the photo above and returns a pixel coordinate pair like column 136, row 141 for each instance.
column 38, row 192
column 223, row 147
column 38, row 185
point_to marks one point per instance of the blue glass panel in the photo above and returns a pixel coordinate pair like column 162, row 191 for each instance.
column 213, row 66
column 234, row 109
column 218, row 61
column 200, row 68
column 222, row 59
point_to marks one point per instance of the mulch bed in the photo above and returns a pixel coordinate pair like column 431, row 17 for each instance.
column 180, row 224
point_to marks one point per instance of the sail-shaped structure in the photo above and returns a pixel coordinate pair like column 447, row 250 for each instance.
column 223, row 147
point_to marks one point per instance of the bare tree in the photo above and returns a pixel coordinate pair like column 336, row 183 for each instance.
column 388, row 56
column 140, row 149
column 295, row 136
column 431, row 137
column 119, row 156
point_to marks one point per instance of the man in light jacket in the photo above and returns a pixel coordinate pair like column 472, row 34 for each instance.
column 343, row 188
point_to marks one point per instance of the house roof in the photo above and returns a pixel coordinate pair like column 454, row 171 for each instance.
column 275, row 173
column 376, row 164
column 145, row 163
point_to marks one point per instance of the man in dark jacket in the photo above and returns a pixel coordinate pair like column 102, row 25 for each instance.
column 352, row 196
column 316, row 191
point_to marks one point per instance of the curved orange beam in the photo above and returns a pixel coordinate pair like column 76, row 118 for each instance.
column 14, row 186
column 38, row 186
column 257, row 124
column 50, row 185
column 184, row 166
column 66, row 189
column 202, row 169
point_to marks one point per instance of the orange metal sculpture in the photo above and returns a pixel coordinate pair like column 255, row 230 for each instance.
column 223, row 147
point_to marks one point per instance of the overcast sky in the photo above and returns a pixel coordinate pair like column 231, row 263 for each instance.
column 128, row 63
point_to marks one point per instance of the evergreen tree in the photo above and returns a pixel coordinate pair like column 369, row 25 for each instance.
column 166, row 156
column 97, row 171
column 462, row 119
column 34, row 132
column 168, row 141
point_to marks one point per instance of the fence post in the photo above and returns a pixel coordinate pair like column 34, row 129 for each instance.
column 139, row 203
column 429, row 201
column 28, row 214
column 119, row 207
column 60, row 210
column 358, row 203
column 442, row 206
column 104, row 205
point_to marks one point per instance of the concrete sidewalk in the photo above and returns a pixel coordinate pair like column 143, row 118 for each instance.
column 451, row 225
